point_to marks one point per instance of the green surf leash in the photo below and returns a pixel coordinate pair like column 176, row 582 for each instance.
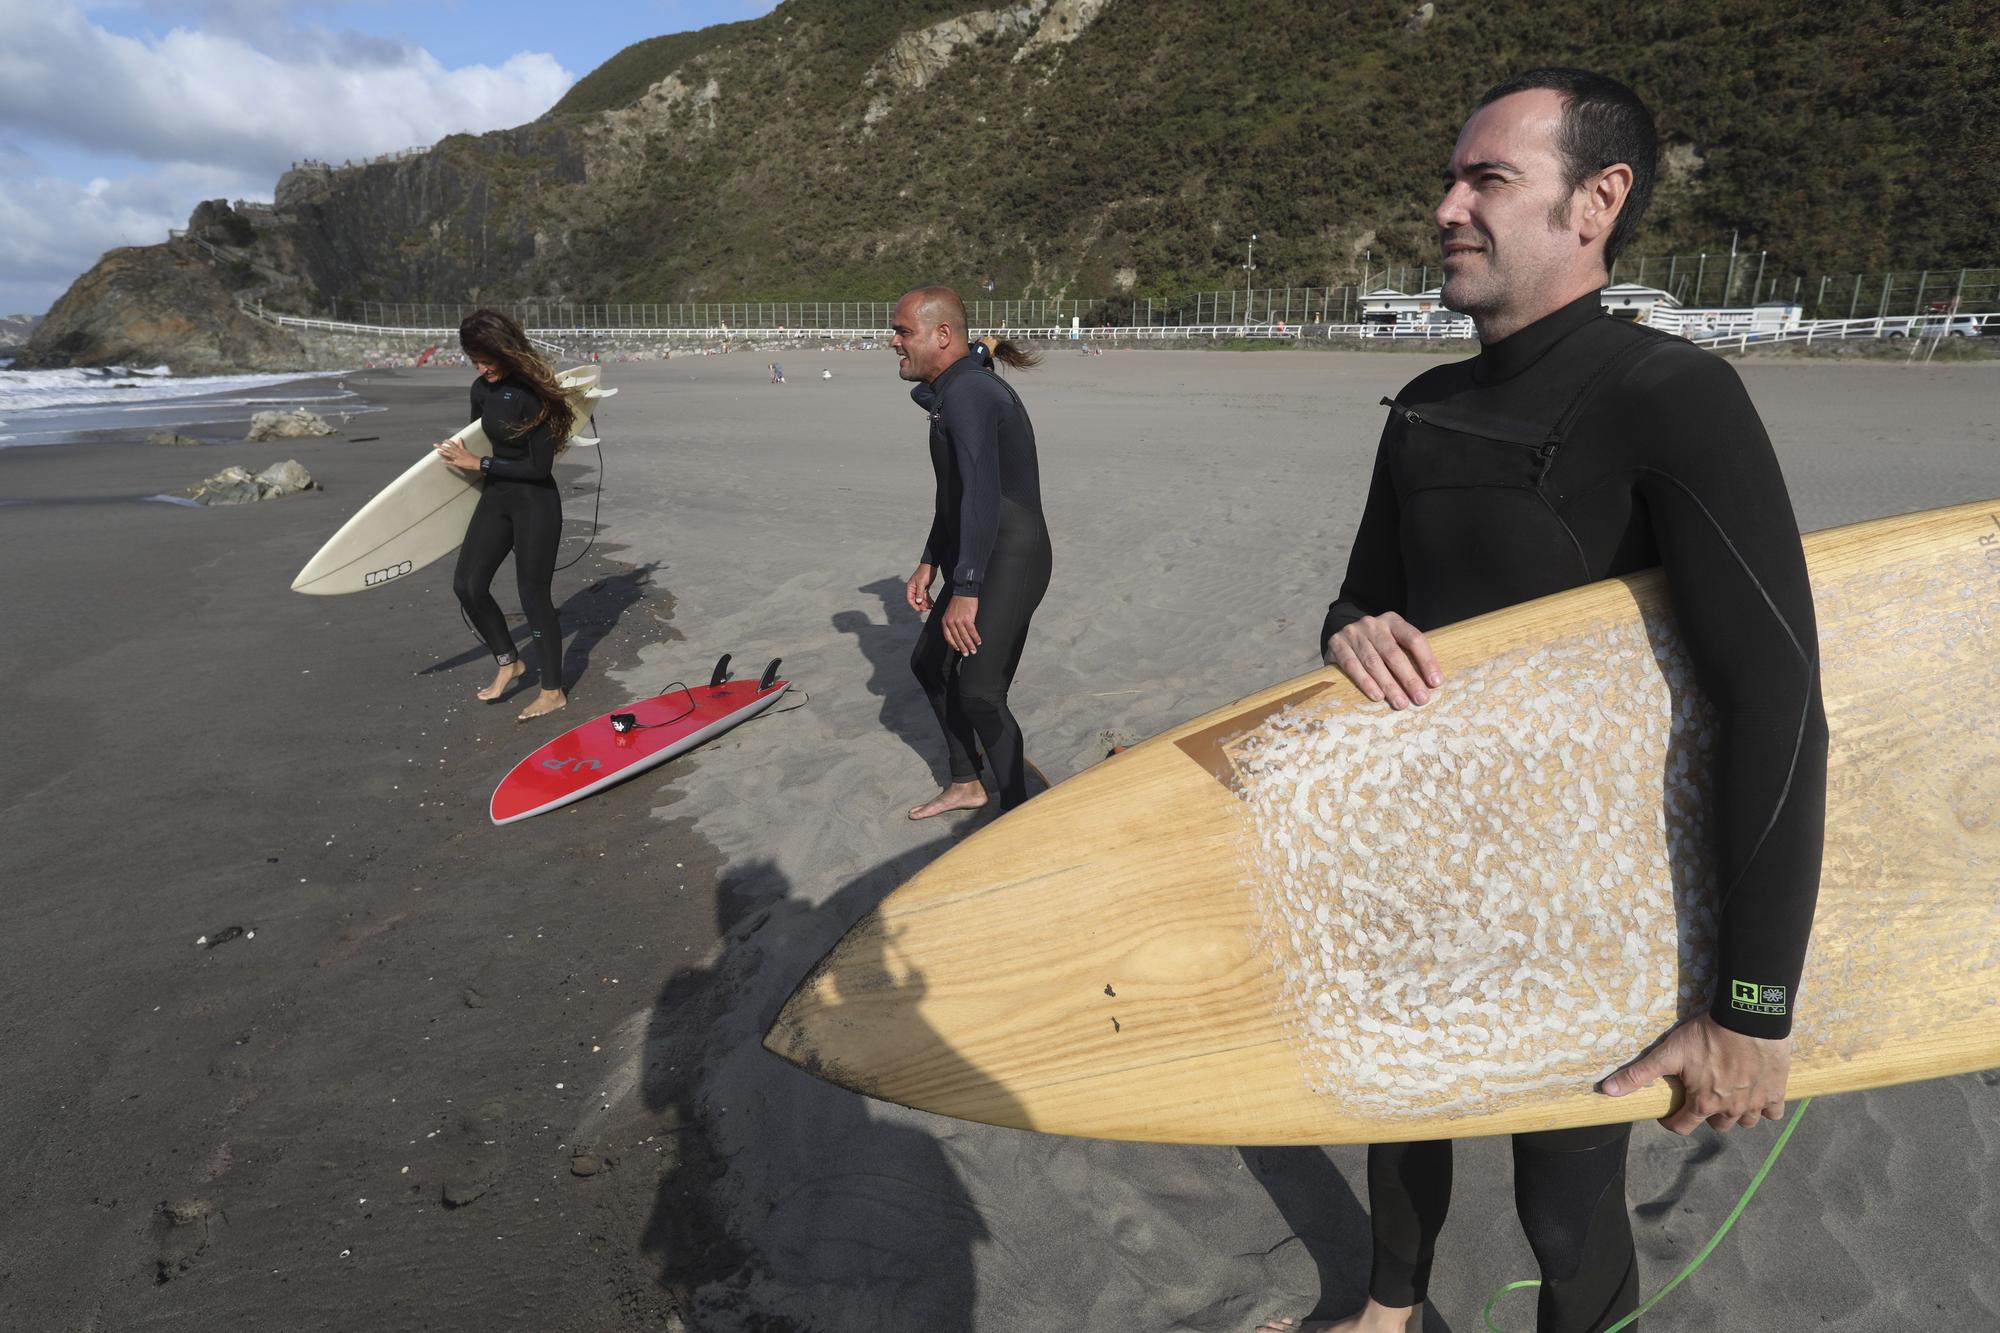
column 1749, row 1193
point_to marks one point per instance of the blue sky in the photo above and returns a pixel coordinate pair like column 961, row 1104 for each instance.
column 116, row 118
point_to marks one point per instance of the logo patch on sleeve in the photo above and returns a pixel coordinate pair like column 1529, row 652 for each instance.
column 1751, row 998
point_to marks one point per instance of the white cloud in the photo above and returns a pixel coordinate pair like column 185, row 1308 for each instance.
column 53, row 229
column 198, row 96
column 222, row 115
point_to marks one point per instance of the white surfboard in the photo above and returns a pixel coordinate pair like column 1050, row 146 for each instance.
column 422, row 514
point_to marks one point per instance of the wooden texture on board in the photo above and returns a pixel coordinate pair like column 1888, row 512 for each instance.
column 1258, row 928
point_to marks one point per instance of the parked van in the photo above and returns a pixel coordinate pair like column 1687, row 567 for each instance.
column 1933, row 326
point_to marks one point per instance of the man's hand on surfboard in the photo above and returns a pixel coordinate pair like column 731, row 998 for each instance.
column 1387, row 658
column 1730, row 1080
column 917, row 588
column 457, row 455
column 961, row 624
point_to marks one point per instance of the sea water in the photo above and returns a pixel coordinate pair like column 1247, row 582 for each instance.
column 39, row 407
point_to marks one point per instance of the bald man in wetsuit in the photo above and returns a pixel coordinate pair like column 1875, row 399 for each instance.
column 1576, row 447
column 987, row 541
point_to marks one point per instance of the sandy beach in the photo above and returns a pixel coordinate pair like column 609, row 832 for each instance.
column 468, row 1077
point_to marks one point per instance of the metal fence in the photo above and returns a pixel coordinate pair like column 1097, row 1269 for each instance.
column 1920, row 329
column 1750, row 279
column 1272, row 305
column 1705, row 281
column 576, row 338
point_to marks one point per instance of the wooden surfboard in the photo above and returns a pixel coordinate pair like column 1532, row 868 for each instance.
column 1305, row 919
column 422, row 514
column 609, row 749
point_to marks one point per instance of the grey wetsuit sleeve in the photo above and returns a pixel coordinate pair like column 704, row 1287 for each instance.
column 1736, row 570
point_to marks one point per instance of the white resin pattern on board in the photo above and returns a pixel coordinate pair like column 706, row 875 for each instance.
column 1488, row 895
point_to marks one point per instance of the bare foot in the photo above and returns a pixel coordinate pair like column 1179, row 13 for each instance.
column 506, row 676
column 1373, row 1318
column 544, row 702
column 958, row 796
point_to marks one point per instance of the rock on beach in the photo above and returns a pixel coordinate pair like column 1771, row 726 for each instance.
column 236, row 486
column 293, row 425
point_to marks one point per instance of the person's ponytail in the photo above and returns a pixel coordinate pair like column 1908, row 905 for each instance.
column 1010, row 353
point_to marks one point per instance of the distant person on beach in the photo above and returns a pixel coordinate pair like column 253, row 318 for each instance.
column 1576, row 447
column 777, row 373
column 987, row 539
column 523, row 411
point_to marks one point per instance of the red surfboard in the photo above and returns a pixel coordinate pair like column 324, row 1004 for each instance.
column 620, row 745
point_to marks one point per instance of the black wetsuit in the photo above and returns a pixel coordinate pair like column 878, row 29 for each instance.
column 519, row 510
column 1580, row 448
column 989, row 541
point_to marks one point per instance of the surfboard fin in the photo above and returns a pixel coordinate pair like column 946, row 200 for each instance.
column 721, row 671
column 585, row 441
column 599, row 393
column 770, row 674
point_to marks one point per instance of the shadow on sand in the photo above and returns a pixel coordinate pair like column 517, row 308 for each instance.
column 887, row 646
column 789, row 1204
column 865, row 1222
column 587, row 616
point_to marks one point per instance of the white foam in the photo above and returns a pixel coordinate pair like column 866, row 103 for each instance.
column 28, row 389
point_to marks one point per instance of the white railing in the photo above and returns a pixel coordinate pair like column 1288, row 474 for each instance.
column 725, row 333
column 1824, row 330
column 183, row 234
column 342, row 329
column 1835, row 330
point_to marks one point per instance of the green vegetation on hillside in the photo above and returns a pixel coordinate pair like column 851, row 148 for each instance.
column 1140, row 156
column 791, row 162
column 621, row 80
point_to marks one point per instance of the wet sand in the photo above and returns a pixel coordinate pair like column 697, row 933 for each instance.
column 265, row 1134
column 1201, row 505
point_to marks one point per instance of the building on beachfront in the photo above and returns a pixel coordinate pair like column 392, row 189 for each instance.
column 1388, row 313
column 1762, row 319
column 1629, row 300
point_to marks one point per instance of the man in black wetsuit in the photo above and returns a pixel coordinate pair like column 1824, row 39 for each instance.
column 987, row 539
column 1573, row 448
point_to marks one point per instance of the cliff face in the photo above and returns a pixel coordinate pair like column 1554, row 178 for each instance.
column 467, row 217
column 15, row 331
column 156, row 305
column 1085, row 147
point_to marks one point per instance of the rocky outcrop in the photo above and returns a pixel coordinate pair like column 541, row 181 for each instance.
column 305, row 184
column 1063, row 24
column 15, row 330
column 469, row 215
column 236, row 485
column 157, row 305
column 216, row 223
column 915, row 58
column 297, row 424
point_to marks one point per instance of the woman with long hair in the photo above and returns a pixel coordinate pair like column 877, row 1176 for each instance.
column 996, row 352
column 524, row 413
